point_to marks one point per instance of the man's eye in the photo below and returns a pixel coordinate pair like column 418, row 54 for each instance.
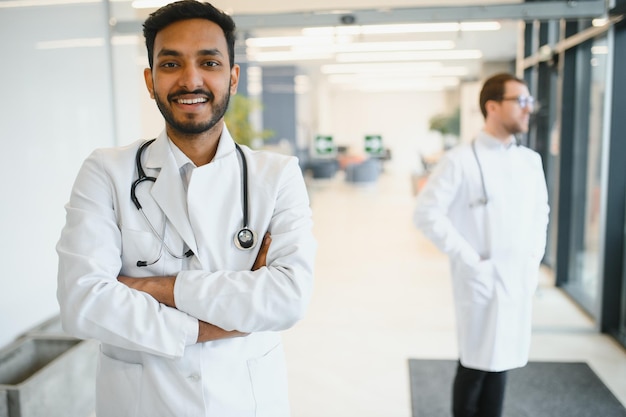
column 168, row 65
column 210, row 64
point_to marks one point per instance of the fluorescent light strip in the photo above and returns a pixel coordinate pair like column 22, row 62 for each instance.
column 395, row 46
column 404, row 28
column 149, row 4
column 39, row 3
column 71, row 43
column 387, row 67
column 426, row 72
column 410, row 56
column 278, row 41
column 384, row 78
column 600, row 50
column 87, row 42
column 396, row 88
column 380, row 46
column 127, row 40
column 345, row 43
column 316, row 52
column 404, row 86
column 287, row 56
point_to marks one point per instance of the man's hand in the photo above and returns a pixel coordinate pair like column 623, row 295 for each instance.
column 162, row 289
column 208, row 332
column 261, row 258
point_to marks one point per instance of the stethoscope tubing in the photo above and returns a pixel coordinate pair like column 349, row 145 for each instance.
column 245, row 239
column 483, row 201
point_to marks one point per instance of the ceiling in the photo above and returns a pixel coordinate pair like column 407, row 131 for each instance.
column 361, row 44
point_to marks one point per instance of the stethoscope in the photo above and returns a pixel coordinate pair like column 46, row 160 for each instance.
column 245, row 238
column 484, row 200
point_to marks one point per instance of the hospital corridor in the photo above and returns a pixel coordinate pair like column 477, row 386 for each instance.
column 383, row 296
column 376, row 100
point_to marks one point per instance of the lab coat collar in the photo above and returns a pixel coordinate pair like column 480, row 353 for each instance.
column 168, row 190
column 489, row 141
column 226, row 145
column 160, row 151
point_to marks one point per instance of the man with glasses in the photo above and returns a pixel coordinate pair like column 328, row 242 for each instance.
column 486, row 206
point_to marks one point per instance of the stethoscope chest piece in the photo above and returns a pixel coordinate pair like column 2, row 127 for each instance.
column 245, row 239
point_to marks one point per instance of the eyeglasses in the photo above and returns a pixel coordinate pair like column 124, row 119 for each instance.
column 523, row 101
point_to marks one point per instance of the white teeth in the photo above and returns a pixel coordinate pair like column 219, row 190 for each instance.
column 191, row 100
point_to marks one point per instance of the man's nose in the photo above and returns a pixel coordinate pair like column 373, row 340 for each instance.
column 191, row 78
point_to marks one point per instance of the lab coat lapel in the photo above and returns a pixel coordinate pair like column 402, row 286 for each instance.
column 213, row 202
column 168, row 189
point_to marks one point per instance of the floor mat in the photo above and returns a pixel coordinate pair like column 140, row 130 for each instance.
column 541, row 389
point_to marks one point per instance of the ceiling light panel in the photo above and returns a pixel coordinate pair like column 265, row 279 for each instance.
column 405, row 28
column 410, row 56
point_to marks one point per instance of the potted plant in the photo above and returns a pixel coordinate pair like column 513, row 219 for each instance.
column 238, row 120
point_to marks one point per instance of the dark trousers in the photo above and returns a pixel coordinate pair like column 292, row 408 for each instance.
column 478, row 393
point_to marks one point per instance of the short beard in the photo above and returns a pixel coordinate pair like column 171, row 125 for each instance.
column 191, row 127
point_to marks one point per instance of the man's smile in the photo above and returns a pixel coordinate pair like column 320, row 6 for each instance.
column 191, row 100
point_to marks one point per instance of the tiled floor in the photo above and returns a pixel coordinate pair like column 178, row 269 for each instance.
column 383, row 296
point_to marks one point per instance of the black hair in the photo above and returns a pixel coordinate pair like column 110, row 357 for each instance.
column 183, row 10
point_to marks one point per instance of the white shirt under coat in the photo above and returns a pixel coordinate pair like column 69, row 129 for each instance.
column 495, row 249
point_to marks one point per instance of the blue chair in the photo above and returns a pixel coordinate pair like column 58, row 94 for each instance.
column 366, row 171
column 323, row 168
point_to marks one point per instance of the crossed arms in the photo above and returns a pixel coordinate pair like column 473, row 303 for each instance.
column 162, row 290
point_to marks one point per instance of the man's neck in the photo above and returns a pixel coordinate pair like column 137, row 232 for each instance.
column 499, row 134
column 200, row 148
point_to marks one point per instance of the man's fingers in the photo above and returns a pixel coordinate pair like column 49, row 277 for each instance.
column 261, row 258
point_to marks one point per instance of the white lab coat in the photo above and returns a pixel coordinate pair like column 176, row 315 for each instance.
column 149, row 363
column 493, row 296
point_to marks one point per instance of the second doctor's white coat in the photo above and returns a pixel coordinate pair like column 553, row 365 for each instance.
column 150, row 364
column 495, row 249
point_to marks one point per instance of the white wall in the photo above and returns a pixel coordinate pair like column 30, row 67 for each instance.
column 55, row 108
column 471, row 118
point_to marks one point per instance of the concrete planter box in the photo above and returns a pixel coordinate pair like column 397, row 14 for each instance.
column 49, row 328
column 4, row 403
column 48, row 376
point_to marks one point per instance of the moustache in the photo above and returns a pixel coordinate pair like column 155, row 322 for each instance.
column 175, row 95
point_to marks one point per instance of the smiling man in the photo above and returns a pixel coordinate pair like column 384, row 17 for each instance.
column 186, row 255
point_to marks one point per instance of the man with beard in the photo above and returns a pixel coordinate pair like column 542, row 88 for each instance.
column 160, row 258
column 486, row 206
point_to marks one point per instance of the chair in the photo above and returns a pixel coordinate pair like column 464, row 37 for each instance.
column 366, row 171
column 323, row 168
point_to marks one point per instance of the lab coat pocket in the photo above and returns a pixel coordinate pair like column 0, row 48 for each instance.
column 268, row 376
column 118, row 387
column 481, row 282
column 532, row 275
column 138, row 246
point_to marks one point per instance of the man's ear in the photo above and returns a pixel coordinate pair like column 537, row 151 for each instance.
column 491, row 106
column 147, row 75
column 234, row 78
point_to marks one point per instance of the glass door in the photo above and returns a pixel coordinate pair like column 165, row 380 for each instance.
column 584, row 281
column 621, row 334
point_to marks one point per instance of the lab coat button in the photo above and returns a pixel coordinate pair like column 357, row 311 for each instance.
column 194, row 377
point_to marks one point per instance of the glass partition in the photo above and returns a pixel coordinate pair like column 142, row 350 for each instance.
column 584, row 281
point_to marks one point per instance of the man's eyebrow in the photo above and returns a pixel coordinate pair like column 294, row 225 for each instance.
column 202, row 52
column 210, row 52
column 168, row 52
